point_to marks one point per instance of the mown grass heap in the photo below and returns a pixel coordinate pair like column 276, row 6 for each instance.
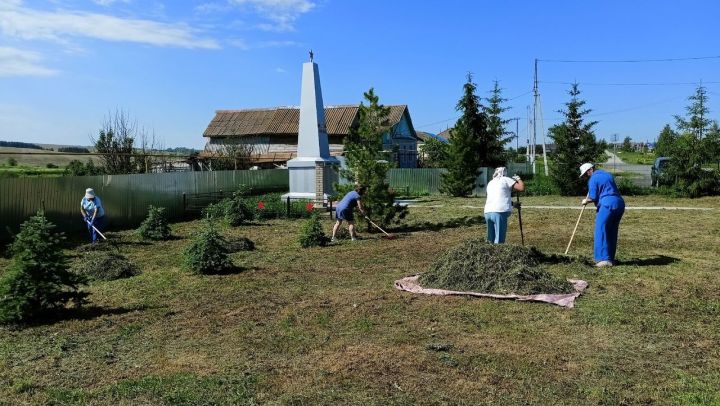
column 478, row 266
column 240, row 244
column 103, row 264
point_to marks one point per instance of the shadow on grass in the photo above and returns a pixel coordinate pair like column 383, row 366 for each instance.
column 80, row 313
column 658, row 260
column 226, row 271
column 467, row 221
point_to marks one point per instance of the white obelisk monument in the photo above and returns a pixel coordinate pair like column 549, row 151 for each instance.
column 311, row 173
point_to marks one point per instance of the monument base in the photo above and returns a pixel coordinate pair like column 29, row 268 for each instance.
column 312, row 178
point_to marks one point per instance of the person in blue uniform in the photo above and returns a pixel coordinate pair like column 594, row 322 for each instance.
column 345, row 211
column 603, row 192
column 93, row 213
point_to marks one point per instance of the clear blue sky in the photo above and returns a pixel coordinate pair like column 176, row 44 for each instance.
column 64, row 64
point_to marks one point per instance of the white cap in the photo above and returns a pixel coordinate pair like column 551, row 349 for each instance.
column 584, row 168
column 89, row 193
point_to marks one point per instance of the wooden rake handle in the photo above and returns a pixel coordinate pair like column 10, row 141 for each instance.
column 575, row 230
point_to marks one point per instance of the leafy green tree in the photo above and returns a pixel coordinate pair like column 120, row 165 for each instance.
column 575, row 144
column 496, row 136
column 368, row 163
column 665, row 142
column 77, row 168
column 116, row 142
column 38, row 280
column 690, row 151
column 467, row 149
column 712, row 144
column 434, row 152
column 627, row 145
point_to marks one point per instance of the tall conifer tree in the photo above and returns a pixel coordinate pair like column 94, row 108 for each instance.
column 575, row 144
column 466, row 149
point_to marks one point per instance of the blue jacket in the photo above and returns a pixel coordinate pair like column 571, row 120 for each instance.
column 603, row 191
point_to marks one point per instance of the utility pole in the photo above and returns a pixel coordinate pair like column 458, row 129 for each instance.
column 536, row 108
column 615, row 138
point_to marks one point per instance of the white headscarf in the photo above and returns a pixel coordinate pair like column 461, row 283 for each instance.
column 500, row 172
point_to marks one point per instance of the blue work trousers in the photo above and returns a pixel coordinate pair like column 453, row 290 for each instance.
column 607, row 225
column 496, row 226
column 99, row 224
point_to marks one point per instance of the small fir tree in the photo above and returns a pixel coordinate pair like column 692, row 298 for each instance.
column 208, row 252
column 575, row 144
column 466, row 149
column 697, row 122
column 496, row 136
column 312, row 234
column 368, row 163
column 155, row 226
column 38, row 280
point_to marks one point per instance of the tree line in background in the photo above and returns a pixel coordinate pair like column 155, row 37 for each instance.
column 479, row 137
column 693, row 148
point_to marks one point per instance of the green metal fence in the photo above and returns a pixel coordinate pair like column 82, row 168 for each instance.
column 427, row 181
column 125, row 197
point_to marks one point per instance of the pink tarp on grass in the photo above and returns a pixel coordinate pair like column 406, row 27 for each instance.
column 411, row 284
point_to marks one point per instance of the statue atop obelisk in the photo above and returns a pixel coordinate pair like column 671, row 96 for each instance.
column 311, row 172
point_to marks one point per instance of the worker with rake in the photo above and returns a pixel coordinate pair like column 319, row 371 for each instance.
column 93, row 213
column 610, row 206
column 345, row 208
column 498, row 203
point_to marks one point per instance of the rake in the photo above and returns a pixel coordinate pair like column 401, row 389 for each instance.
column 387, row 236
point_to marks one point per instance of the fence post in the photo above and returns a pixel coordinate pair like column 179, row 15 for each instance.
column 287, row 206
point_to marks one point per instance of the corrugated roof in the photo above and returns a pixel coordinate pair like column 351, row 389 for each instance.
column 285, row 121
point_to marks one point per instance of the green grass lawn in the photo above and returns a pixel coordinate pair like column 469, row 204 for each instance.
column 326, row 326
column 638, row 158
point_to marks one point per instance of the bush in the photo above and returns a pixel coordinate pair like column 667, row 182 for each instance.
column 476, row 265
column 540, row 185
column 312, row 234
column 236, row 210
column 155, row 226
column 208, row 253
column 50, row 165
column 12, row 162
column 628, row 188
column 103, row 265
column 240, row 244
column 38, row 280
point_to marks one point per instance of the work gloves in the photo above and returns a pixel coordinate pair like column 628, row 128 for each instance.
column 517, row 178
column 584, row 202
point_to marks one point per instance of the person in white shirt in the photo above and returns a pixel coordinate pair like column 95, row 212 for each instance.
column 498, row 205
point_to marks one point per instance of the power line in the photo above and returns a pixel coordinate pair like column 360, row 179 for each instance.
column 630, row 60
column 458, row 116
column 632, row 84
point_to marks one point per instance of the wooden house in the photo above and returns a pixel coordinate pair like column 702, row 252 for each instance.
column 271, row 134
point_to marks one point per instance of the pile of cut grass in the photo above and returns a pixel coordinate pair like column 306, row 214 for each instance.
column 98, row 263
column 477, row 266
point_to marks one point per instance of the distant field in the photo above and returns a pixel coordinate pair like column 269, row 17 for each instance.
column 26, row 159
